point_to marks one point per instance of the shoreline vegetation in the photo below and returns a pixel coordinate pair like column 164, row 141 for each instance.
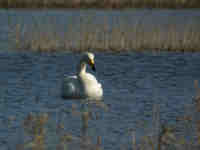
column 37, row 130
column 122, row 37
column 103, row 4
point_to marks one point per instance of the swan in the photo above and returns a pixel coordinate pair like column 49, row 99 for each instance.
column 83, row 84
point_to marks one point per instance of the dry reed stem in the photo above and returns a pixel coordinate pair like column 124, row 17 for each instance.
column 197, row 106
column 115, row 4
column 121, row 37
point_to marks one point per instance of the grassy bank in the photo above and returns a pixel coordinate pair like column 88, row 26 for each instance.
column 99, row 3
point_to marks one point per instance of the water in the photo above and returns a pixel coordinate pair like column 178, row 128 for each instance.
column 133, row 83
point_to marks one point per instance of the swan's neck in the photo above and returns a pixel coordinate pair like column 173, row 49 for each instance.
column 81, row 69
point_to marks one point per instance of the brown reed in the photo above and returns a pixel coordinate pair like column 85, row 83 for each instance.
column 120, row 37
column 99, row 4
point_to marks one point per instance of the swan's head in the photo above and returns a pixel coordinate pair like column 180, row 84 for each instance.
column 89, row 59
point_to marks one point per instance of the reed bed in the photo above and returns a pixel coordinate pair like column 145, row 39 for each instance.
column 99, row 3
column 40, row 130
column 105, row 37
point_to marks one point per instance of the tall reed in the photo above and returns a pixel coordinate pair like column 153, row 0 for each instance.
column 105, row 37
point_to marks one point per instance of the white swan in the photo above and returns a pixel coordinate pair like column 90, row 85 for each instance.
column 83, row 84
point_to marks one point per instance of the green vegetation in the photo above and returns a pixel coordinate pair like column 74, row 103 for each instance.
column 100, row 3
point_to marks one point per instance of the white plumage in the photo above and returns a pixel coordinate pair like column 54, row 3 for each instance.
column 83, row 84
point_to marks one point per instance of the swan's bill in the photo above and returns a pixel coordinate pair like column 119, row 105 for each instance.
column 91, row 63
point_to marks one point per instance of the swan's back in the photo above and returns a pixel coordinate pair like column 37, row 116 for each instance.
column 72, row 87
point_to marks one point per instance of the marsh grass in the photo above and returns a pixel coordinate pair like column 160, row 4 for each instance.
column 161, row 135
column 41, row 132
column 105, row 37
column 100, row 3
column 197, row 107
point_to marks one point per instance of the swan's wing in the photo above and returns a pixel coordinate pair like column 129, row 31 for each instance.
column 70, row 77
column 71, row 87
column 93, row 86
column 87, row 85
column 99, row 84
column 69, row 84
column 91, row 79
